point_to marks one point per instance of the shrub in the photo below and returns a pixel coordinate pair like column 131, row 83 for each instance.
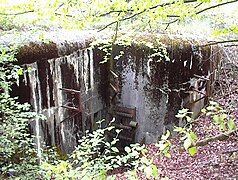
column 17, row 153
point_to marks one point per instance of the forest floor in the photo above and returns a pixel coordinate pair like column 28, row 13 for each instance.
column 215, row 160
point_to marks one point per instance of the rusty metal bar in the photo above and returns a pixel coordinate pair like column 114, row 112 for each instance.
column 79, row 98
column 114, row 89
column 69, row 90
column 70, row 117
column 80, row 103
column 113, row 74
column 133, row 124
column 124, row 114
column 121, row 114
column 199, row 92
column 125, row 110
column 122, row 126
column 199, row 99
column 72, row 108
column 201, row 77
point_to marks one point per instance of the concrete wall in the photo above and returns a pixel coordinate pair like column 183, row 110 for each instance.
column 157, row 90
column 75, row 73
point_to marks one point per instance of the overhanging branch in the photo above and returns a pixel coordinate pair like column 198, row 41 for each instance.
column 215, row 6
column 219, row 42
column 153, row 7
column 199, row 12
column 206, row 9
column 163, row 5
column 113, row 11
column 66, row 15
column 15, row 14
column 171, row 22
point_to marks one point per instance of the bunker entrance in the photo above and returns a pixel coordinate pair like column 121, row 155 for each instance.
column 125, row 121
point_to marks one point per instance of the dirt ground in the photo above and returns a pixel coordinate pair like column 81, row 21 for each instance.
column 217, row 159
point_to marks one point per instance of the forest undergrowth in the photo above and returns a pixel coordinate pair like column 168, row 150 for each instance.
column 214, row 160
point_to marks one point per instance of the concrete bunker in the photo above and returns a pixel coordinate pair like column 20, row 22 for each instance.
column 73, row 89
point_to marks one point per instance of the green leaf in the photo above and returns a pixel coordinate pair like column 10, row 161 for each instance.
column 216, row 33
column 209, row 113
column 180, row 115
column 189, row 119
column 118, row 131
column 110, row 128
column 107, row 144
column 148, row 171
column 114, row 141
column 204, row 110
column 114, row 149
column 187, row 143
column 155, row 171
column 193, row 135
column 111, row 177
column 178, row 129
column 167, row 155
column 161, row 146
column 231, row 124
column 41, row 36
column 20, row 71
column 223, row 116
column 134, row 154
column 183, row 138
column 192, row 151
column 211, row 108
column 144, row 160
column 222, row 126
column 183, row 111
column 109, row 157
column 144, row 151
column 216, row 119
column 166, row 136
column 213, row 103
column 127, row 149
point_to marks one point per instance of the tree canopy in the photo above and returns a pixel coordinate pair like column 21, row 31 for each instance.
column 216, row 17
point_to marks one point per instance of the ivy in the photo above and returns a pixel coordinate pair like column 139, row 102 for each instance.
column 158, row 50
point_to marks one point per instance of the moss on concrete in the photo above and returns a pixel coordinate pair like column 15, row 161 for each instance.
column 37, row 52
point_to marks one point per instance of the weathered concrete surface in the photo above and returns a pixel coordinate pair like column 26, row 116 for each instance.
column 75, row 72
column 157, row 90
column 41, row 45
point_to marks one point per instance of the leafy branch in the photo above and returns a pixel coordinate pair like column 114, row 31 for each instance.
column 114, row 11
column 143, row 11
column 161, row 5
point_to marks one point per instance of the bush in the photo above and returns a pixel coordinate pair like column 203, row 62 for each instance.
column 93, row 157
column 17, row 153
